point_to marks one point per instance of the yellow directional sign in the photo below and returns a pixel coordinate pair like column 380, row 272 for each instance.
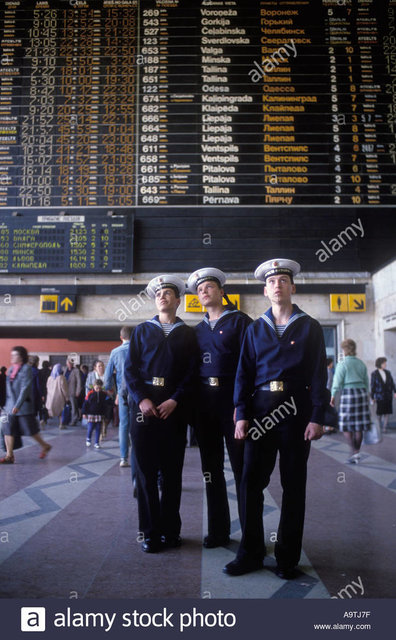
column 348, row 302
column 339, row 302
column 67, row 304
column 193, row 305
column 357, row 302
column 49, row 303
column 57, row 303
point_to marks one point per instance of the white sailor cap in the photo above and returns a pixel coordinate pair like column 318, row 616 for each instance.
column 202, row 275
column 277, row 266
column 166, row 281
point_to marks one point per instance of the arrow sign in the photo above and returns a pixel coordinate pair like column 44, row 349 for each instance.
column 67, row 304
column 357, row 302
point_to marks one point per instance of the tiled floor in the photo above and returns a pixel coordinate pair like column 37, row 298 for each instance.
column 68, row 528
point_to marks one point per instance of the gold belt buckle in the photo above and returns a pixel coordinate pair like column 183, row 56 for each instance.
column 276, row 385
column 213, row 382
column 158, row 382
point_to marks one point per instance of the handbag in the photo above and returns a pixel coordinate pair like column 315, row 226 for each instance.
column 372, row 435
column 66, row 414
column 3, row 418
column 16, row 432
column 330, row 417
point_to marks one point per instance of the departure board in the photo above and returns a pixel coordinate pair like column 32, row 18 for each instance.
column 228, row 129
column 128, row 103
column 36, row 242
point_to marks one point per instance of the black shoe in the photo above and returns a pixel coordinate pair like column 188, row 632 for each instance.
column 211, row 542
column 151, row 546
column 239, row 567
column 171, row 542
column 286, row 574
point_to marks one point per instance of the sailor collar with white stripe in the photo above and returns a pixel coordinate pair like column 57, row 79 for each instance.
column 178, row 323
column 226, row 312
column 269, row 318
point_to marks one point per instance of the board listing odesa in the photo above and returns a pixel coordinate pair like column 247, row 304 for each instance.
column 108, row 104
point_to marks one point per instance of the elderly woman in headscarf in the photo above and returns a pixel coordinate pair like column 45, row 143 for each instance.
column 57, row 393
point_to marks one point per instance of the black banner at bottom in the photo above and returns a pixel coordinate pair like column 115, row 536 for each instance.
column 166, row 619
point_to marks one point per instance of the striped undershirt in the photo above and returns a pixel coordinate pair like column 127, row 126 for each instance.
column 280, row 328
column 167, row 327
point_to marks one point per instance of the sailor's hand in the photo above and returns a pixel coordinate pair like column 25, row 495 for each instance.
column 241, row 429
column 313, row 431
column 166, row 408
column 148, row 408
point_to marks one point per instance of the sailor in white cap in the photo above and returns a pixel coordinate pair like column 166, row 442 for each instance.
column 166, row 281
column 159, row 372
column 280, row 395
column 278, row 266
column 220, row 336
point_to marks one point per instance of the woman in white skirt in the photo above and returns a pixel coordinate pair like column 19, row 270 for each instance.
column 351, row 379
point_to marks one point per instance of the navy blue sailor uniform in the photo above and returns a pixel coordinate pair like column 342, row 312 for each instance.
column 160, row 367
column 219, row 353
column 277, row 422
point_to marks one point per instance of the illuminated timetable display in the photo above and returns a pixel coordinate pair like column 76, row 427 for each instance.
column 182, row 102
column 200, row 106
column 37, row 242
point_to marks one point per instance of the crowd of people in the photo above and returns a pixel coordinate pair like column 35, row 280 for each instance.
column 262, row 388
column 30, row 396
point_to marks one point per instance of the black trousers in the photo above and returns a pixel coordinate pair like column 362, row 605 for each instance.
column 213, row 424
column 159, row 446
column 287, row 438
